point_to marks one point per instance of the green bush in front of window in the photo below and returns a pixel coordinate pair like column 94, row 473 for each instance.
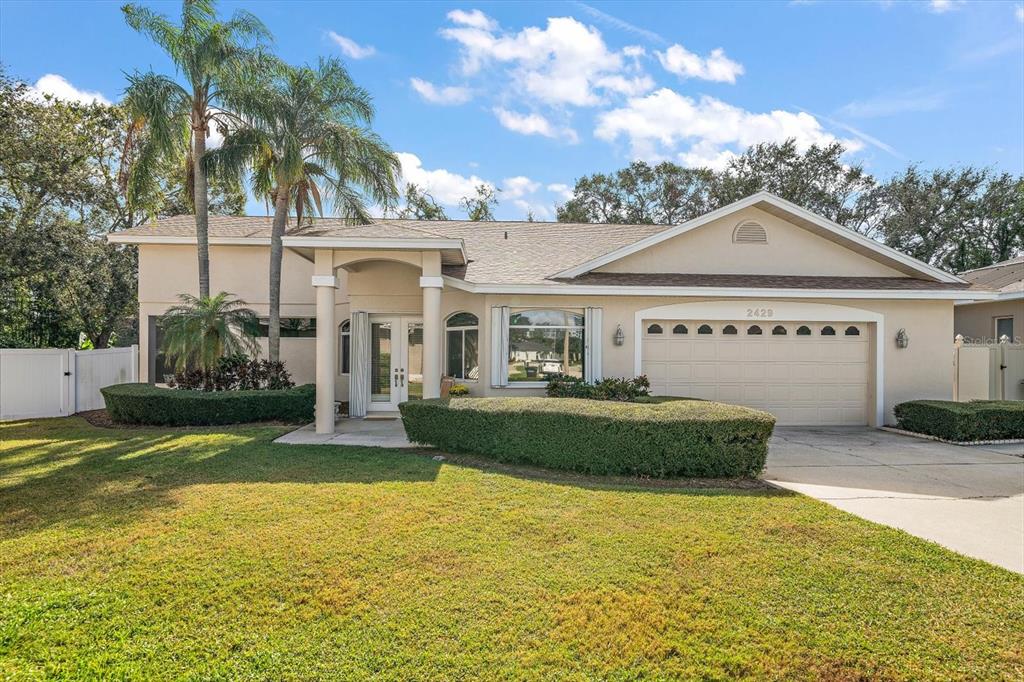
column 963, row 422
column 146, row 404
column 658, row 438
column 622, row 389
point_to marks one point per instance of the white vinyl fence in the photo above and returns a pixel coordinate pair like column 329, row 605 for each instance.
column 55, row 382
column 988, row 371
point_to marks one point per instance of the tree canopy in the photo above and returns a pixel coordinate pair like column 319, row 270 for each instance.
column 955, row 218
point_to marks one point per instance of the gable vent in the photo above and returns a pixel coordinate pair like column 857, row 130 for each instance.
column 749, row 232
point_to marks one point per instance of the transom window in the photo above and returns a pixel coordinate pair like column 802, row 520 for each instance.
column 779, row 330
column 680, row 329
column 654, row 329
column 544, row 343
column 462, row 339
column 754, row 330
column 344, row 346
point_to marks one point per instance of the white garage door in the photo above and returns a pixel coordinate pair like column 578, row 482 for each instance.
column 807, row 373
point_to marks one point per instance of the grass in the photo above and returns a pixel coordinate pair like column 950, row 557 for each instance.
column 214, row 554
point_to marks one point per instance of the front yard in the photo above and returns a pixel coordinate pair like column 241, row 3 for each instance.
column 213, row 553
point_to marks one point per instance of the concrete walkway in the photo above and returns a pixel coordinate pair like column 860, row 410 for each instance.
column 383, row 433
column 969, row 499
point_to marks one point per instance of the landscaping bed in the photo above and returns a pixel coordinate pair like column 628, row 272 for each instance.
column 975, row 421
column 656, row 439
column 146, row 404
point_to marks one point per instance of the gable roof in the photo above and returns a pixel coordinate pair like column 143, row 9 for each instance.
column 791, row 213
column 1006, row 277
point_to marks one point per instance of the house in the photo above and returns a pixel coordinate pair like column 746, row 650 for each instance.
column 760, row 303
column 992, row 319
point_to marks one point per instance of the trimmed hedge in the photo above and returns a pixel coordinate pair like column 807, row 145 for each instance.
column 146, row 404
column 963, row 422
column 663, row 440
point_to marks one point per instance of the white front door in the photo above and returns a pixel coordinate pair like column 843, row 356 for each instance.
column 396, row 361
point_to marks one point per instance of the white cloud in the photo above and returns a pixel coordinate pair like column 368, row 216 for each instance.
column 564, row 63
column 446, row 187
column 621, row 24
column 663, row 121
column 943, row 6
column 562, row 190
column 474, row 19
column 685, row 64
column 916, row 99
column 533, row 124
column 59, row 88
column 447, row 95
column 518, row 186
column 351, row 48
column 1018, row 12
column 539, row 211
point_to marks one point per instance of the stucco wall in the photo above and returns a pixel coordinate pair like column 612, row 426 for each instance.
column 977, row 321
column 790, row 250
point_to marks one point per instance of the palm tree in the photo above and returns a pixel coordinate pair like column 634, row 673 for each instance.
column 177, row 120
column 201, row 330
column 305, row 137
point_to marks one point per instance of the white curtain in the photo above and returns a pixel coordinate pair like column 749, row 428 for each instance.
column 499, row 346
column 359, row 365
column 592, row 346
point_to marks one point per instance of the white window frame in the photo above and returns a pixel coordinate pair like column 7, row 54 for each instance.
column 344, row 331
column 463, row 330
column 995, row 327
column 508, row 338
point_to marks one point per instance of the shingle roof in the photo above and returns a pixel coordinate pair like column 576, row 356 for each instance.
column 759, row 281
column 511, row 252
column 1005, row 277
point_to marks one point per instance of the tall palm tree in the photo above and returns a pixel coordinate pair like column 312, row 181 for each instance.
column 199, row 331
column 178, row 119
column 306, row 140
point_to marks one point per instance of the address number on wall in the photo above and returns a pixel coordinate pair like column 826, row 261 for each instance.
column 760, row 312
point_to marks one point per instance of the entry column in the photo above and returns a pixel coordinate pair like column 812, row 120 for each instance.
column 431, row 283
column 325, row 284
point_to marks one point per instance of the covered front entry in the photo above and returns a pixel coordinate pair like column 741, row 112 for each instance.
column 807, row 363
column 396, row 361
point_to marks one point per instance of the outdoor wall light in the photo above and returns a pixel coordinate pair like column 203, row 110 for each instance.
column 620, row 336
column 902, row 340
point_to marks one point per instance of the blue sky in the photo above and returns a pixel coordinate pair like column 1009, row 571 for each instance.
column 530, row 96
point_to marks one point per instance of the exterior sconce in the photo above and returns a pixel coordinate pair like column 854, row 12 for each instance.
column 620, row 336
column 902, row 340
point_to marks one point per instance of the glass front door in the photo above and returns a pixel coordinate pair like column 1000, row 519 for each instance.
column 396, row 361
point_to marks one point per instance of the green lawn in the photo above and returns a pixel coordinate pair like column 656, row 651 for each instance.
column 165, row 554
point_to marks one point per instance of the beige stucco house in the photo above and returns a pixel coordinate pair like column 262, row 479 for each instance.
column 989, row 320
column 760, row 303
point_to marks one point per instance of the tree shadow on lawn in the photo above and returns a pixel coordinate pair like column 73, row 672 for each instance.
column 71, row 471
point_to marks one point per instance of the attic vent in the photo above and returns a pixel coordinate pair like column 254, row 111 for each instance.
column 749, row 232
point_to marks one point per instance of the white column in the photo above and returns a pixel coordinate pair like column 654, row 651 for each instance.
column 326, row 344
column 431, row 336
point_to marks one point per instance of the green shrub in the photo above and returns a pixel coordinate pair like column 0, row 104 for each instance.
column 963, row 422
column 622, row 389
column 667, row 439
column 146, row 404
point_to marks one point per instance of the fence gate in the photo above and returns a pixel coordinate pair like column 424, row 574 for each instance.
column 56, row 382
column 988, row 371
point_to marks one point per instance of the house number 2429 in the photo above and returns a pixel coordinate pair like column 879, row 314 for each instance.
column 760, row 312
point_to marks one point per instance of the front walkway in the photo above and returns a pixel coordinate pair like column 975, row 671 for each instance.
column 969, row 499
column 383, row 433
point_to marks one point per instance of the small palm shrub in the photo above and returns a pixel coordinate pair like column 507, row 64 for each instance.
column 620, row 389
column 199, row 332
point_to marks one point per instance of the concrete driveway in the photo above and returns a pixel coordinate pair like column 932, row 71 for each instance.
column 969, row 499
